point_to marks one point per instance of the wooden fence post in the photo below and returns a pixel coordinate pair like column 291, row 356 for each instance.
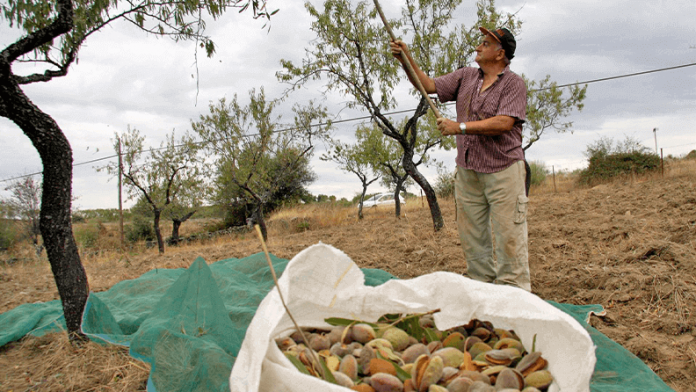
column 662, row 163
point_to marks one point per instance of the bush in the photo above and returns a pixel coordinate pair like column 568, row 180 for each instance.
column 539, row 172
column 78, row 217
column 8, row 234
column 87, row 235
column 140, row 228
column 691, row 155
column 605, row 167
column 444, row 185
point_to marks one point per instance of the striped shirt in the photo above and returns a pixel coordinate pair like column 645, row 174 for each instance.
column 506, row 96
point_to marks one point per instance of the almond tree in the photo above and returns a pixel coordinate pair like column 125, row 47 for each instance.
column 258, row 159
column 164, row 177
column 546, row 106
column 353, row 159
column 25, row 204
column 351, row 53
column 53, row 33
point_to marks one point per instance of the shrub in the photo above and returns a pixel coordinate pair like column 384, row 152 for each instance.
column 539, row 172
column 444, row 184
column 691, row 155
column 87, row 235
column 602, row 168
column 8, row 234
column 140, row 228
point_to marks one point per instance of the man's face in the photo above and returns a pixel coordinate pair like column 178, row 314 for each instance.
column 488, row 50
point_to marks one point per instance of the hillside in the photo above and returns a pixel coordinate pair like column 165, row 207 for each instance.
column 630, row 247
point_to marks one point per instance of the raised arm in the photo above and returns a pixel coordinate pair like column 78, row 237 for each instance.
column 399, row 46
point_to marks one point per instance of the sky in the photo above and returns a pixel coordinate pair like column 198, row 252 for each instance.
column 126, row 78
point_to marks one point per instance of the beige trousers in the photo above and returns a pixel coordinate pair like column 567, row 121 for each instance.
column 492, row 208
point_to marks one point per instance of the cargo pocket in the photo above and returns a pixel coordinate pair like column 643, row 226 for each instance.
column 521, row 209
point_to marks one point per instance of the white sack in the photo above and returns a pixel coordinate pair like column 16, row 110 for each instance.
column 322, row 282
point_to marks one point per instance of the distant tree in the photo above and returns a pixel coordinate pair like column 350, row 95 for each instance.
column 168, row 176
column 387, row 155
column 24, row 204
column 353, row 159
column 323, row 199
column 258, row 162
column 547, row 106
column 54, row 33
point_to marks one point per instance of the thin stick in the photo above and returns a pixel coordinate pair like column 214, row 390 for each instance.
column 275, row 279
column 407, row 63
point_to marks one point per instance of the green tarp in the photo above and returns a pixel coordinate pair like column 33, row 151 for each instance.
column 189, row 324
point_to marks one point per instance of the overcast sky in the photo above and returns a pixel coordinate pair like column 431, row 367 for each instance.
column 125, row 78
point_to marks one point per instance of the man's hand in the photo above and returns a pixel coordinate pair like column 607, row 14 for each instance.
column 397, row 47
column 448, row 127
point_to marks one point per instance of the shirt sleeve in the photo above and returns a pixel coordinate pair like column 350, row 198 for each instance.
column 513, row 102
column 447, row 85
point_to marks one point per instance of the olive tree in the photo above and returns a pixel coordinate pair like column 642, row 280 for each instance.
column 53, row 33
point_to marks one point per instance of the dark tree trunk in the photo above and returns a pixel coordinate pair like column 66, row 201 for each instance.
column 412, row 170
column 158, row 232
column 176, row 223
column 257, row 215
column 362, row 200
column 408, row 141
column 397, row 192
column 54, row 219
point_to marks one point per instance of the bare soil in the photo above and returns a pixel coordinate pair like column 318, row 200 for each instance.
column 630, row 247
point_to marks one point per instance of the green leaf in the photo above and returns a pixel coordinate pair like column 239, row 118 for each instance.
column 430, row 334
column 534, row 343
column 337, row 321
column 343, row 322
column 328, row 376
column 298, row 364
column 401, row 373
column 413, row 328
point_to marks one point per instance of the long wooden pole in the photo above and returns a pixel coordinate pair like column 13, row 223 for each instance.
column 409, row 67
column 120, row 198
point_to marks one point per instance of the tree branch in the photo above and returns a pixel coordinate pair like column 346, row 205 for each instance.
column 62, row 24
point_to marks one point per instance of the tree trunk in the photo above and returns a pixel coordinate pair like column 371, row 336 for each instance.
column 158, row 232
column 397, row 192
column 54, row 219
column 176, row 223
column 257, row 215
column 435, row 212
column 175, row 232
column 362, row 201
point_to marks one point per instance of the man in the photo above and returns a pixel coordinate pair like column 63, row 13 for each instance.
column 490, row 181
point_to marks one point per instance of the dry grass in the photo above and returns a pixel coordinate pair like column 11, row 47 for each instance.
column 629, row 245
column 565, row 182
column 50, row 363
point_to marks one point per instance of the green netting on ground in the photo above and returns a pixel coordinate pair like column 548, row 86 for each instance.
column 189, row 324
